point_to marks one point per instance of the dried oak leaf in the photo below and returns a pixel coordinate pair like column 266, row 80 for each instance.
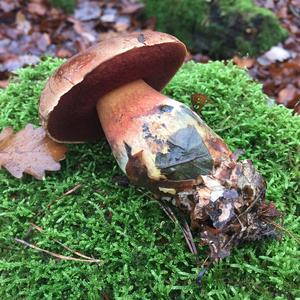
column 29, row 150
column 289, row 96
column 244, row 62
column 198, row 101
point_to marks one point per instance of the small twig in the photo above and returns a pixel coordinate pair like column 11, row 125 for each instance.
column 229, row 241
column 163, row 207
column 205, row 260
column 242, row 225
column 186, row 231
column 294, row 11
column 251, row 205
column 62, row 257
column 42, row 212
column 203, row 270
column 296, row 238
column 73, row 251
column 190, row 237
column 72, row 190
column 61, row 244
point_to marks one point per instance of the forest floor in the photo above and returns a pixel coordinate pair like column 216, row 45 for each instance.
column 32, row 29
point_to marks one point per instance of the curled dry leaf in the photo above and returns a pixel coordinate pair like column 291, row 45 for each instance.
column 198, row 101
column 279, row 68
column 132, row 8
column 29, row 151
column 289, row 96
column 36, row 8
column 3, row 84
column 244, row 62
column 87, row 11
column 277, row 53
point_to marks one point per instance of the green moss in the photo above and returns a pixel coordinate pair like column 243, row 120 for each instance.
column 67, row 5
column 144, row 253
column 220, row 28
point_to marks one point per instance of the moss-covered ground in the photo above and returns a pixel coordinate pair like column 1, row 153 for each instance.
column 144, row 254
column 67, row 5
column 219, row 28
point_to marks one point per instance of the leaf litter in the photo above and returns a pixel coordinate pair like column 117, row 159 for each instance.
column 279, row 68
column 228, row 208
column 29, row 151
column 34, row 29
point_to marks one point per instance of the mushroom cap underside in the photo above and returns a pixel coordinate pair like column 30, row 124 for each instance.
column 68, row 102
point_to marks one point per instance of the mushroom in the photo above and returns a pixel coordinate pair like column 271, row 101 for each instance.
column 113, row 89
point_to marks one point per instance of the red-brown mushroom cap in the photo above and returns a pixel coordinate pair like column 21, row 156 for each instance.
column 67, row 104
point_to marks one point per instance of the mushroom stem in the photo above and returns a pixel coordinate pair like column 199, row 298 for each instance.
column 121, row 111
column 170, row 141
column 164, row 146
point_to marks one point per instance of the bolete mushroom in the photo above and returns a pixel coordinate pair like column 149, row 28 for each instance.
column 161, row 144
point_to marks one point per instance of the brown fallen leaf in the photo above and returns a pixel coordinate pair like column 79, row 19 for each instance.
column 297, row 108
column 8, row 5
column 87, row 11
column 244, row 62
column 3, row 84
column 277, row 53
column 29, row 151
column 22, row 23
column 63, row 53
column 198, row 101
column 132, row 8
column 37, row 8
column 288, row 96
column 122, row 23
column 79, row 28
